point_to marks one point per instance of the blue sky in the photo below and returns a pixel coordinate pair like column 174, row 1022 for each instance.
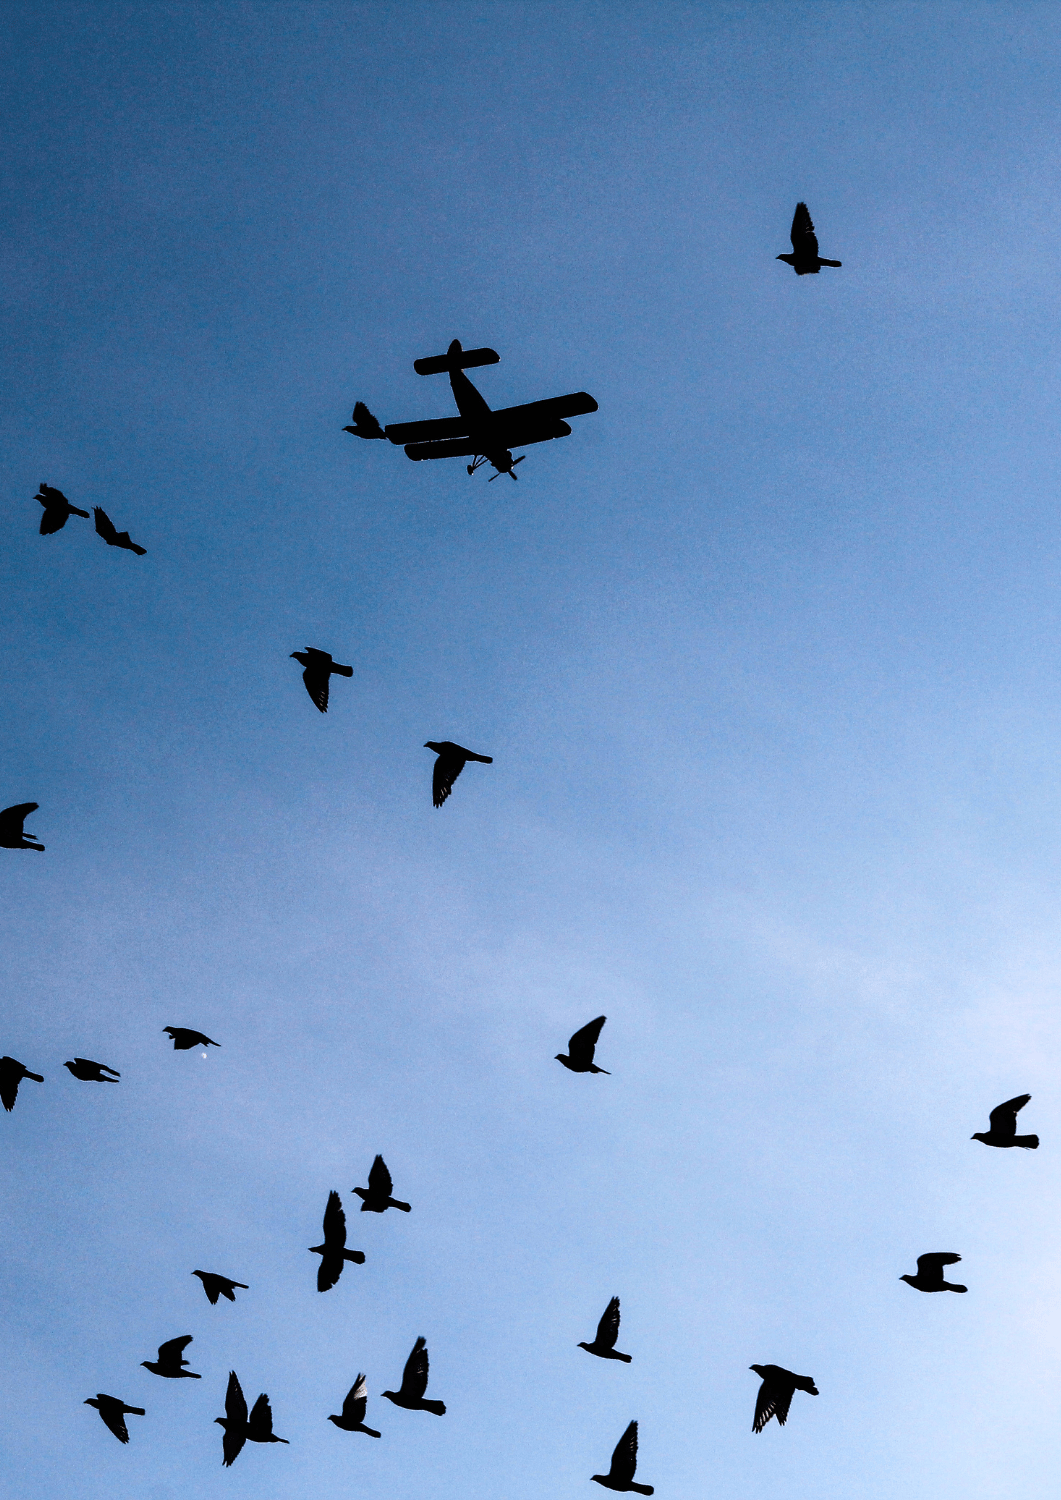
column 766, row 657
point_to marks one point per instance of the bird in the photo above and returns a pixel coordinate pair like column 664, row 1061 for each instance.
column 113, row 538
column 260, row 1423
column 451, row 762
column 234, row 1421
column 319, row 667
column 11, row 821
column 580, row 1048
column 183, row 1039
column 354, row 1408
column 219, row 1286
column 12, row 1073
column 171, row 1361
column 805, row 260
column 603, row 1344
column 57, row 509
column 414, row 1384
column 114, row 1413
column 333, row 1251
column 91, row 1072
column 365, row 424
column 376, row 1198
column 929, row 1276
column 624, row 1464
column 1003, row 1130
column 776, row 1392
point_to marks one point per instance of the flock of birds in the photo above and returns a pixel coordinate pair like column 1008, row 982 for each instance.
column 242, row 1425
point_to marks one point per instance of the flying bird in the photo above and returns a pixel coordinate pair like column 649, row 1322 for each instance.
column 234, row 1421
column 11, row 821
column 91, row 1072
column 57, row 509
column 376, row 1198
column 183, row 1039
column 805, row 260
column 929, row 1276
column 219, row 1286
column 114, row 1413
column 580, row 1048
column 260, row 1423
column 12, row 1073
column 1003, row 1130
column 607, row 1333
column 105, row 528
column 171, row 1361
column 624, row 1464
column 354, row 1408
column 319, row 668
column 451, row 762
column 776, row 1392
column 333, row 1251
column 414, row 1384
column 365, row 424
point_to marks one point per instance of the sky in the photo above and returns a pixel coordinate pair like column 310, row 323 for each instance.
column 766, row 657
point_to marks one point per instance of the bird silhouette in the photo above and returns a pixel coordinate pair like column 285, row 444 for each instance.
column 11, row 821
column 91, row 1072
column 260, row 1423
column 624, row 1464
column 414, row 1384
column 607, row 1332
column 333, row 1251
column 234, row 1421
column 376, row 1198
column 171, row 1361
column 319, row 667
column 57, row 509
column 776, row 1392
column 929, row 1276
column 365, row 424
column 219, row 1286
column 354, row 1408
column 12, row 1073
column 1003, row 1130
column 114, row 1413
column 805, row 260
column 451, row 762
column 183, row 1039
column 105, row 529
column 580, row 1049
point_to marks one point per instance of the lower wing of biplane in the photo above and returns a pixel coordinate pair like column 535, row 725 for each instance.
column 490, row 437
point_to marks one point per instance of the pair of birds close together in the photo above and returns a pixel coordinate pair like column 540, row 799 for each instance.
column 375, row 1199
column 58, row 510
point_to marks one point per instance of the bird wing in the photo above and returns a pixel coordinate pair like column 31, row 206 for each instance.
column 260, row 1424
column 172, row 1351
column 414, row 1376
column 317, row 686
column 379, row 1179
column 447, row 768
column 235, row 1404
column 765, row 1405
column 53, row 519
column 356, row 1403
column 334, row 1222
column 12, row 818
column 232, row 1445
column 608, row 1327
column 9, row 1082
column 211, row 1285
column 804, row 240
column 581, row 1045
column 936, row 1261
column 1004, row 1116
column 624, row 1458
column 105, row 526
column 329, row 1271
column 113, row 1414
column 364, row 418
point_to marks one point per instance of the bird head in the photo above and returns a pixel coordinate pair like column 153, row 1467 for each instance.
column 336, row 1419
column 979, row 1135
column 910, row 1279
column 317, row 1249
column 584, row 1345
column 146, row 1365
column 433, row 745
column 91, row 1402
column 759, row 1370
column 390, row 1395
column 222, row 1422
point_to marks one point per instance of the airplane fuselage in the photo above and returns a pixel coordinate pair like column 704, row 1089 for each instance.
column 472, row 406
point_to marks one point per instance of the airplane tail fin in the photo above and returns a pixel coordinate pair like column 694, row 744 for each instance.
column 455, row 358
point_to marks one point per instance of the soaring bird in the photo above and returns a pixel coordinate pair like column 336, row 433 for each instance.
column 365, row 424
column 105, row 529
column 171, row 1361
column 805, row 260
column 114, row 1413
column 451, row 762
column 580, row 1048
column 376, row 1198
column 1003, row 1130
column 414, row 1384
column 12, row 1073
column 219, row 1286
column 260, row 1423
column 319, row 667
column 11, row 821
column 776, row 1392
column 333, row 1251
column 354, row 1408
column 183, row 1039
column 57, row 509
column 607, row 1332
column 624, row 1464
column 91, row 1072
column 234, row 1421
column 929, row 1276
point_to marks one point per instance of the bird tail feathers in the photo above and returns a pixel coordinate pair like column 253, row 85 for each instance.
column 407, row 1208
column 357, row 1256
column 438, row 1407
column 829, row 262
column 1029, row 1142
column 371, row 1431
column 342, row 671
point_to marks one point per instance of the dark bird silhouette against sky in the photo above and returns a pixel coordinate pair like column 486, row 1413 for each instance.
column 354, row 1408
column 414, row 1384
column 114, row 1413
column 1003, row 1130
column 451, row 762
column 319, row 668
column 12, row 1073
column 377, row 1196
column 91, row 1072
column 105, row 529
column 260, row 1423
column 183, row 1039
column 776, row 1392
column 365, row 424
column 805, row 260
column 607, row 1333
column 234, row 1421
column 624, row 1464
column 57, row 509
column 219, row 1286
column 580, row 1049
column 11, row 821
column 333, row 1251
column 171, row 1361
column 929, row 1276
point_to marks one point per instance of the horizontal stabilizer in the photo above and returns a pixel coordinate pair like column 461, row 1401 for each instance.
column 455, row 359
column 422, row 432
